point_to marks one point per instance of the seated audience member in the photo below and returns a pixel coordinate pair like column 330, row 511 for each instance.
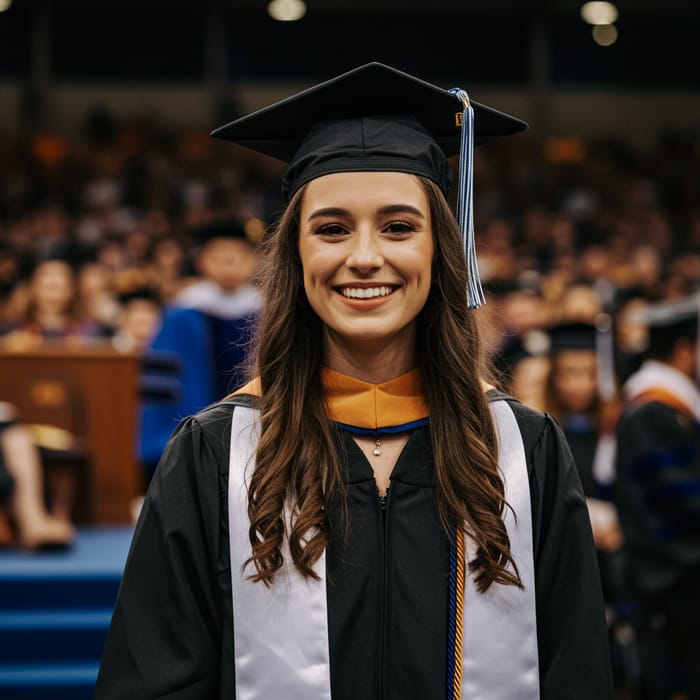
column 98, row 300
column 51, row 308
column 137, row 321
column 24, row 518
column 208, row 324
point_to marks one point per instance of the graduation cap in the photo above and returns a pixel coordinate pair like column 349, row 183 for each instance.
column 219, row 228
column 576, row 335
column 666, row 314
column 378, row 118
column 667, row 322
column 142, row 293
column 596, row 337
column 515, row 349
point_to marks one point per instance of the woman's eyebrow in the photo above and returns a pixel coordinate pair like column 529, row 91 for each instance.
column 328, row 211
column 400, row 209
column 383, row 211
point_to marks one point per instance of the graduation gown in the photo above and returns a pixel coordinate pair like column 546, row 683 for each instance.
column 657, row 497
column 384, row 641
column 211, row 350
column 583, row 442
column 657, row 493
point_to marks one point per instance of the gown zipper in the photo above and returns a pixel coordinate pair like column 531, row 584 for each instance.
column 384, row 515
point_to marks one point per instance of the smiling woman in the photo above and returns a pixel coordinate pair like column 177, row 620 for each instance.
column 367, row 517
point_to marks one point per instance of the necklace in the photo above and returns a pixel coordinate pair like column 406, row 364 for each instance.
column 377, row 448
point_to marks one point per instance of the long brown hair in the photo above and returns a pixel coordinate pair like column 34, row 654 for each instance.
column 297, row 461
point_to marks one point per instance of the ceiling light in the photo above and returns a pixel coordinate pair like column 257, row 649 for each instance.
column 285, row 10
column 599, row 12
column 605, row 34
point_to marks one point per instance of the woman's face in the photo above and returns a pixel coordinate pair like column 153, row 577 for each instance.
column 227, row 262
column 529, row 380
column 53, row 285
column 366, row 248
column 574, row 379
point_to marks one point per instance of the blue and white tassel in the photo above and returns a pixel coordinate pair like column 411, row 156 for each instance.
column 465, row 200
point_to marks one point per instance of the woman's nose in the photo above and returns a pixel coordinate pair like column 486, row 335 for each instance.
column 365, row 254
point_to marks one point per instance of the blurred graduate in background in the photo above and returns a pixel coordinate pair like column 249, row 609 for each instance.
column 658, row 498
column 208, row 326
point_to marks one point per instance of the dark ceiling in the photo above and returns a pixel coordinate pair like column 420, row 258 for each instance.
column 496, row 42
column 519, row 8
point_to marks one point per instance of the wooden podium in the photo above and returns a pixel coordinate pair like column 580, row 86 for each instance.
column 91, row 391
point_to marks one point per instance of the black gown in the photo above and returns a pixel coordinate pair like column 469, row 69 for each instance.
column 658, row 499
column 172, row 632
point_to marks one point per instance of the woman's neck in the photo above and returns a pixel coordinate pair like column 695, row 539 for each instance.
column 372, row 368
column 373, row 365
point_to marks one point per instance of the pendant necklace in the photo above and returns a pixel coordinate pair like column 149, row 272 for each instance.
column 377, row 451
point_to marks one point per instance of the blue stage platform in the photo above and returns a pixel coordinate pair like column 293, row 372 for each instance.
column 55, row 608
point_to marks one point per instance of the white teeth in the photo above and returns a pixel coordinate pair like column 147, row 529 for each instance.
column 359, row 293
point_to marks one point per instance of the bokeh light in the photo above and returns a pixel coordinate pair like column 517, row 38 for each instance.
column 286, row 10
column 605, row 34
column 599, row 12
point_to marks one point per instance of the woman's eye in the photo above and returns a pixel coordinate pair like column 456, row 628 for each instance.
column 330, row 230
column 398, row 227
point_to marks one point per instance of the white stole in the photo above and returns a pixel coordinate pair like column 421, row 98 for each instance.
column 281, row 632
column 500, row 626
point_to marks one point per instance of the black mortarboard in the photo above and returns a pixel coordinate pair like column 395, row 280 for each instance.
column 667, row 322
column 218, row 228
column 377, row 118
column 576, row 335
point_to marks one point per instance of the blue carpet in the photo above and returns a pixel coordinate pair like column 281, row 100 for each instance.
column 55, row 609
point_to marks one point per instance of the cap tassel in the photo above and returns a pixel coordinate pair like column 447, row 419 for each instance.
column 465, row 199
column 605, row 349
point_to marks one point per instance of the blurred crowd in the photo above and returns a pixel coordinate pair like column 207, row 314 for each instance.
column 86, row 222
column 103, row 234
column 577, row 226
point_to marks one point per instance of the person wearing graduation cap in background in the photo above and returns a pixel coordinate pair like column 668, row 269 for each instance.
column 523, row 364
column 367, row 518
column 658, row 499
column 582, row 394
column 208, row 326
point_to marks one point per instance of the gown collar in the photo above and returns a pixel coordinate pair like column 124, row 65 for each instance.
column 392, row 406
column 398, row 404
